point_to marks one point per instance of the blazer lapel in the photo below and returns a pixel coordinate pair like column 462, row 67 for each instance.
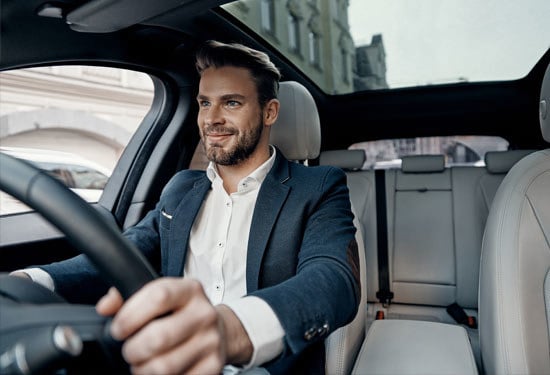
column 270, row 200
column 183, row 220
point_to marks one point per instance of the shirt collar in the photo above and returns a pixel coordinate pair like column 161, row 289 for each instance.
column 258, row 174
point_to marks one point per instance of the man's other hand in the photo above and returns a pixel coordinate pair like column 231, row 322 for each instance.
column 170, row 327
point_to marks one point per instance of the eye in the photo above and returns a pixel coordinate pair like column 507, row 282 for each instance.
column 204, row 103
column 233, row 103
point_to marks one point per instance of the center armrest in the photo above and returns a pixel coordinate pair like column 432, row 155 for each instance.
column 415, row 347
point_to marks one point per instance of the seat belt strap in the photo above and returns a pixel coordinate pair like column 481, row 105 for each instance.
column 384, row 294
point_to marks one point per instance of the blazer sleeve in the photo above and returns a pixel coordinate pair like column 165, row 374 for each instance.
column 324, row 293
column 77, row 279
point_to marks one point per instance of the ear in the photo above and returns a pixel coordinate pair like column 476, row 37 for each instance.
column 270, row 112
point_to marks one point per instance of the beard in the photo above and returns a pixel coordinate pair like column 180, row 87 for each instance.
column 247, row 141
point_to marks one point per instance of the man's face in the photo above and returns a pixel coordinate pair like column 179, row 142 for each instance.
column 230, row 117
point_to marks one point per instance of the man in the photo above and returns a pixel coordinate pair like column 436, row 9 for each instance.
column 266, row 246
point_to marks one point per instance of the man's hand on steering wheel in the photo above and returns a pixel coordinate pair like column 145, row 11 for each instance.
column 170, row 326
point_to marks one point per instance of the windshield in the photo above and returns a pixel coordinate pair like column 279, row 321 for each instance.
column 354, row 45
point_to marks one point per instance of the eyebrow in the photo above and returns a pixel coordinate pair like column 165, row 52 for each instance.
column 223, row 97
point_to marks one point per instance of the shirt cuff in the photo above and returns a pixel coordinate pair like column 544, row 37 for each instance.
column 39, row 276
column 262, row 326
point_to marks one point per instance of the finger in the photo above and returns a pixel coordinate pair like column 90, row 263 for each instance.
column 110, row 303
column 163, row 334
column 155, row 299
column 200, row 355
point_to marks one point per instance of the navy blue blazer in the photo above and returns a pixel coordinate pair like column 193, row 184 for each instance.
column 302, row 256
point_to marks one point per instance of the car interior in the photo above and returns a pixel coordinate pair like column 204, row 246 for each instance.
column 454, row 257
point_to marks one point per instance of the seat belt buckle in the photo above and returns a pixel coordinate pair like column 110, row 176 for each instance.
column 460, row 316
column 384, row 297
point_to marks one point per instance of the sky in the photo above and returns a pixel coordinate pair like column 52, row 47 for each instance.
column 437, row 41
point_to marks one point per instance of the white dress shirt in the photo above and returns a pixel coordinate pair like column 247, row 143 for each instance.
column 217, row 253
column 216, row 257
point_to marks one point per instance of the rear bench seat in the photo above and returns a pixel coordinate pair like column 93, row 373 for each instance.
column 435, row 222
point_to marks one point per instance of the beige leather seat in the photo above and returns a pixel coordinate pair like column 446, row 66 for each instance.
column 514, row 299
column 297, row 133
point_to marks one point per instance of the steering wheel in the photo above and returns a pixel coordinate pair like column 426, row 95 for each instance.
column 89, row 232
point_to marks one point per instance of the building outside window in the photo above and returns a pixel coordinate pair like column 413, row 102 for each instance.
column 71, row 121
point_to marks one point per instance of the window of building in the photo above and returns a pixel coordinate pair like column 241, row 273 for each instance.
column 293, row 33
column 267, row 15
column 458, row 150
column 314, row 49
column 345, row 63
column 71, row 121
column 337, row 10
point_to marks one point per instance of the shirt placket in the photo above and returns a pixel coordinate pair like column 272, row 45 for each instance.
column 218, row 288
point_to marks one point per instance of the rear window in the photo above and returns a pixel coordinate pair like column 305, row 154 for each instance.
column 458, row 150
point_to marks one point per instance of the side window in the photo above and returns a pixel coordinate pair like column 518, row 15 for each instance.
column 458, row 150
column 71, row 121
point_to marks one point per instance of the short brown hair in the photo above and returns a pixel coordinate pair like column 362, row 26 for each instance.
column 265, row 74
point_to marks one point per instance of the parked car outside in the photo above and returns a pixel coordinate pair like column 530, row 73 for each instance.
column 84, row 177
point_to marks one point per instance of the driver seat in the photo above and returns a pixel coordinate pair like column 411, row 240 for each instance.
column 297, row 133
column 514, row 296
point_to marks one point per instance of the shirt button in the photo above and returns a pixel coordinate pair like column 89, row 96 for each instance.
column 218, row 287
column 220, row 244
column 228, row 204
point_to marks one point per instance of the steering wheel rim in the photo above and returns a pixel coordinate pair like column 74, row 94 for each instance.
column 84, row 227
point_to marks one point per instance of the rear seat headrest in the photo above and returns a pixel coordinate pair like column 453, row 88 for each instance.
column 345, row 159
column 501, row 161
column 423, row 163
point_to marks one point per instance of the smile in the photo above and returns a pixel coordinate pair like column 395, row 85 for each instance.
column 218, row 136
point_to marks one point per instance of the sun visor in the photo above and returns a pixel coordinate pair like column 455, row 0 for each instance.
column 105, row 16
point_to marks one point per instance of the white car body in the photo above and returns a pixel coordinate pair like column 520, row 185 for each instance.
column 67, row 161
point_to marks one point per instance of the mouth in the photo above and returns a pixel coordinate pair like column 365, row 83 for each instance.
column 217, row 137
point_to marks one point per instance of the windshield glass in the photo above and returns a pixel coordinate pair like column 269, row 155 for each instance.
column 353, row 45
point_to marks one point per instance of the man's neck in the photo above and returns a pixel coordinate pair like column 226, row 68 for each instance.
column 232, row 174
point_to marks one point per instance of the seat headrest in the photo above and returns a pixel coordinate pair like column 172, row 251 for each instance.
column 422, row 163
column 345, row 159
column 297, row 131
column 501, row 161
column 544, row 106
